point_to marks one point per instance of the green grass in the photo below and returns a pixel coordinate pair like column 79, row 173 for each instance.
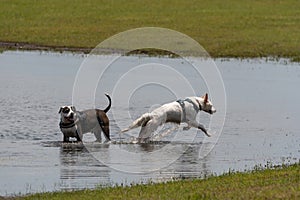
column 232, row 28
column 283, row 183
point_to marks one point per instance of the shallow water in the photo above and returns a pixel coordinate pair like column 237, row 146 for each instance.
column 261, row 124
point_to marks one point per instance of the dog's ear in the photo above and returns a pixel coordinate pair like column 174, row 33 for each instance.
column 60, row 110
column 205, row 98
column 73, row 108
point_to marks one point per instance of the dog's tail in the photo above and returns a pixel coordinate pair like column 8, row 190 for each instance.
column 109, row 105
column 142, row 121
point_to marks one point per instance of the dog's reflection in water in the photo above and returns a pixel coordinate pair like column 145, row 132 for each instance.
column 79, row 167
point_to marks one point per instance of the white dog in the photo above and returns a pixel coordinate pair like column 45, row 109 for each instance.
column 176, row 112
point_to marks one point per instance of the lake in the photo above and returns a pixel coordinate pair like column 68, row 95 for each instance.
column 257, row 119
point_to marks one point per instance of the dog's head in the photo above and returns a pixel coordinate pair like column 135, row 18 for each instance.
column 206, row 104
column 68, row 113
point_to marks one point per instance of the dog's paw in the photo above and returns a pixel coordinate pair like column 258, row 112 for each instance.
column 107, row 142
column 208, row 134
column 133, row 140
column 186, row 128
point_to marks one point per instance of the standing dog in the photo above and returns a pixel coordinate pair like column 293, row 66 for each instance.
column 178, row 111
column 75, row 123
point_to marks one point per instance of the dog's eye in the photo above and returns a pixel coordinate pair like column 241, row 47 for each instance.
column 66, row 110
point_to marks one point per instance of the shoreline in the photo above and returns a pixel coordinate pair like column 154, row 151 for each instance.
column 24, row 46
column 36, row 47
column 261, row 182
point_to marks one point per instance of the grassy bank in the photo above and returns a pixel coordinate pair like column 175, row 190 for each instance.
column 224, row 28
column 283, row 183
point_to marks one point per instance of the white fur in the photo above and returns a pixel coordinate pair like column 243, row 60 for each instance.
column 172, row 112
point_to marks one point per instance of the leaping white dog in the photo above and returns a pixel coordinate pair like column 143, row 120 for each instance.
column 176, row 112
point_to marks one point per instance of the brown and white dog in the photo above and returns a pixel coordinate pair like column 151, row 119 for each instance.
column 176, row 112
column 75, row 123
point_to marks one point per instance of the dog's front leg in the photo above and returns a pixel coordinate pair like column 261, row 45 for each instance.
column 66, row 139
column 199, row 126
column 79, row 133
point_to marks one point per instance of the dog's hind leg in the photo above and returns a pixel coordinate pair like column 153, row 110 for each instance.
column 104, row 125
column 142, row 135
column 97, row 134
column 105, row 130
column 147, row 130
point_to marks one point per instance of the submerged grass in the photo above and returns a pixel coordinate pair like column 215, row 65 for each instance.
column 224, row 28
column 279, row 183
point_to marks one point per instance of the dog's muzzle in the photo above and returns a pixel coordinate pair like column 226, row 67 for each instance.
column 71, row 116
column 212, row 111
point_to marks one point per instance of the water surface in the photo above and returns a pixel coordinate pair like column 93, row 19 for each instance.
column 261, row 124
